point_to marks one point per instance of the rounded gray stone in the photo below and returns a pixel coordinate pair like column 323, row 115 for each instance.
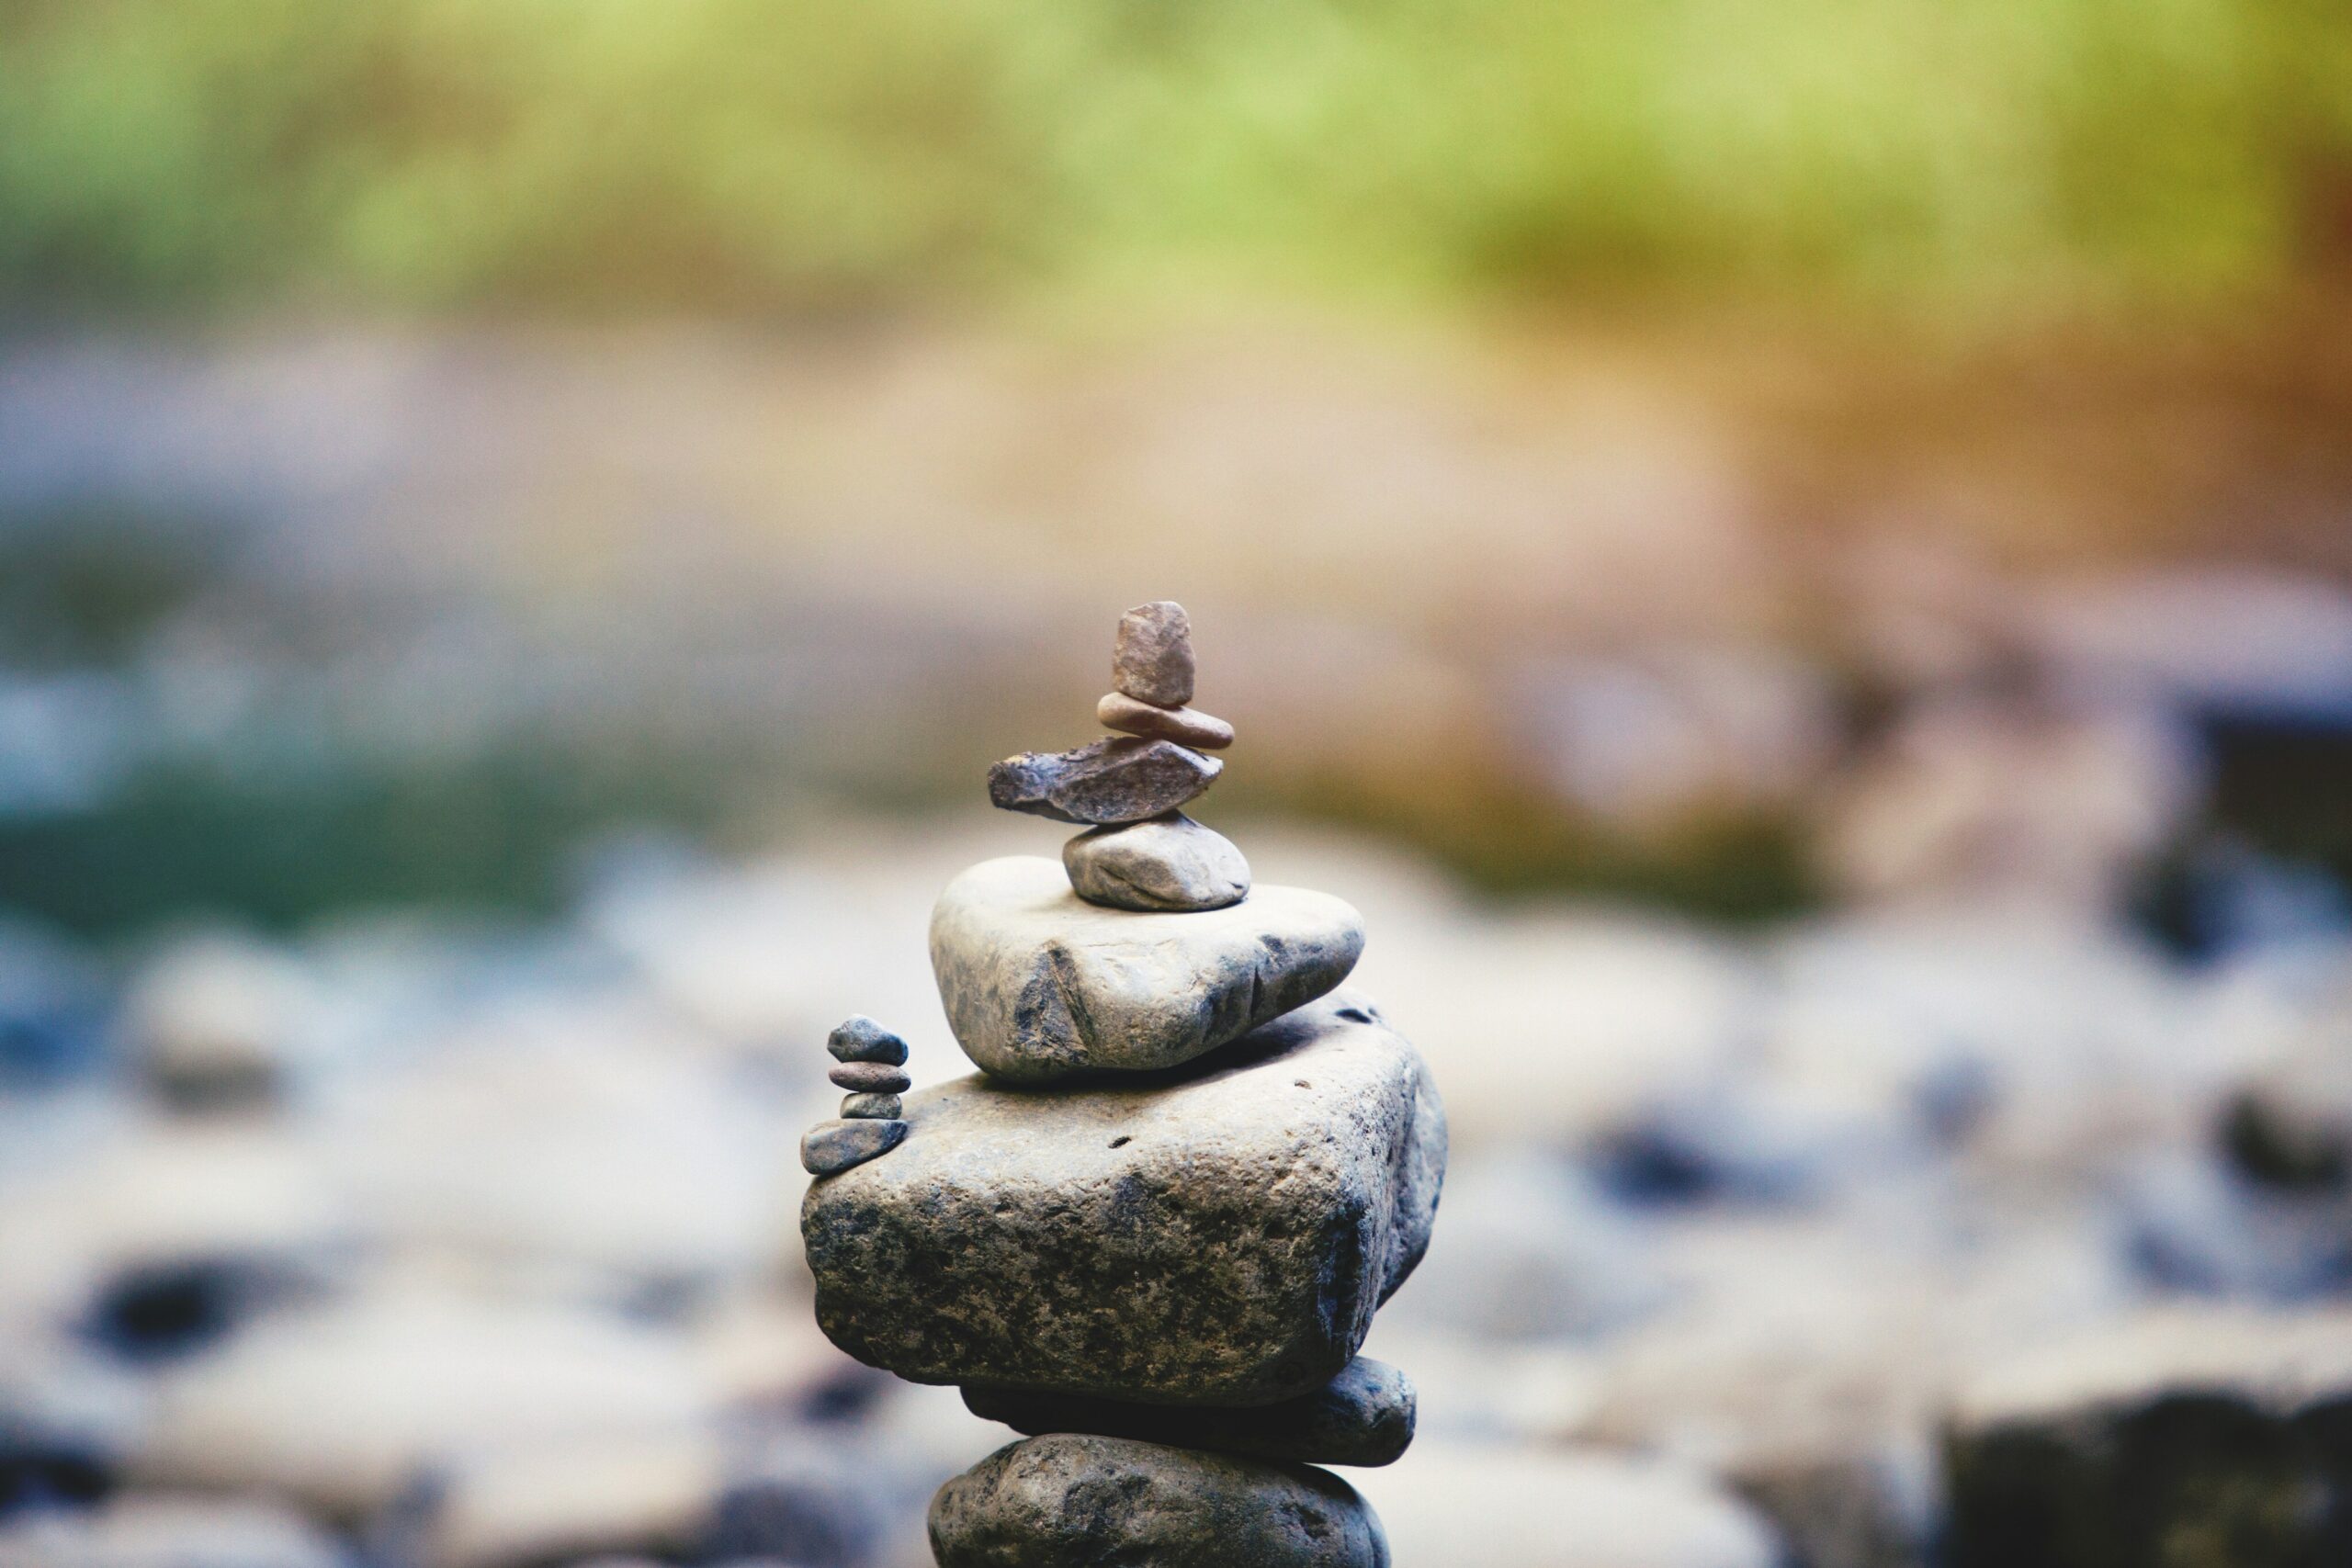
column 870, row 1077
column 860, row 1039
column 1186, row 727
column 1218, row 1235
column 832, row 1147
column 1170, row 863
column 873, row 1107
column 1120, row 779
column 1039, row 985
column 1152, row 659
column 1364, row 1416
column 1074, row 1499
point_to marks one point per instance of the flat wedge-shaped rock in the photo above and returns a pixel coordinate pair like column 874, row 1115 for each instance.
column 1124, row 779
column 1362, row 1417
column 1069, row 1499
column 1218, row 1235
column 1038, row 984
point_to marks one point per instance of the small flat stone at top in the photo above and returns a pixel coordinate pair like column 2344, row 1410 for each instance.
column 871, row 1077
column 1152, row 661
column 860, row 1039
column 832, row 1147
column 1122, row 779
column 1186, row 727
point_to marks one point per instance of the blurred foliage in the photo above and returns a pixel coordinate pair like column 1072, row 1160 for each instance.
column 1996, row 154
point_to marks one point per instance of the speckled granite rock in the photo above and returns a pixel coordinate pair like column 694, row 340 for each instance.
column 1362, row 1417
column 1170, row 863
column 1218, row 1235
column 1071, row 1499
column 1038, row 984
column 1152, row 659
column 1186, row 727
column 1123, row 779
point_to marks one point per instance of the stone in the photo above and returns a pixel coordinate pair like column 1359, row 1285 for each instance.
column 1364, row 1416
column 1073, row 1498
column 141, row 1530
column 1170, row 863
column 1038, row 984
column 1186, row 727
column 831, row 1147
column 871, row 1077
column 2190, row 1435
column 1218, row 1235
column 1122, row 779
column 216, row 1022
column 860, row 1039
column 872, row 1107
column 1152, row 660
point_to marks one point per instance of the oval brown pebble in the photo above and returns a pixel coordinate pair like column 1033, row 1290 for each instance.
column 1186, row 727
column 871, row 1077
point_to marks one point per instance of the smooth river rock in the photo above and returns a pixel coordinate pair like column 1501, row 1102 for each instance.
column 870, row 1077
column 872, row 1107
column 1039, row 985
column 1122, row 779
column 860, row 1039
column 1073, row 1499
column 831, row 1147
column 1364, row 1416
column 1218, row 1235
column 1186, row 727
column 1170, row 863
column 1152, row 660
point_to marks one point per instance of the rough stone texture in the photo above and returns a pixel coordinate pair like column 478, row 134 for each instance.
column 1218, row 1235
column 1170, row 863
column 873, row 1107
column 1070, row 1499
column 2210, row 1437
column 1186, row 727
column 831, row 1147
column 860, row 1039
column 1122, row 779
column 871, row 1077
column 1038, row 984
column 1362, row 1417
column 1152, row 661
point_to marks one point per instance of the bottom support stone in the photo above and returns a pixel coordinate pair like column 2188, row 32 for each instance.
column 1067, row 1498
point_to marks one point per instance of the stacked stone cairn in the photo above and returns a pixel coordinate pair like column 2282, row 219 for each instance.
column 1152, row 1230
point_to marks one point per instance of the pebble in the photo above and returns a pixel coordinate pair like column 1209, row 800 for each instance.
column 1152, row 660
column 1170, row 863
column 1186, row 727
column 1125, row 779
column 1364, row 1416
column 1071, row 1498
column 831, row 1147
column 1218, row 1235
column 871, row 1077
column 1039, row 984
column 860, row 1039
column 873, row 1107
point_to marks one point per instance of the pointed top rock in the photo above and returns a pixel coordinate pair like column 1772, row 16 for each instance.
column 1152, row 661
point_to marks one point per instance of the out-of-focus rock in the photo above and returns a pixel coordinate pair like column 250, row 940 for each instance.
column 560, row 1496
column 1508, row 1507
column 217, row 1020
column 340, row 1406
column 1039, row 984
column 1071, row 1498
column 1205, row 1237
column 68, row 1423
column 2213, row 1436
column 49, row 1009
column 143, row 1530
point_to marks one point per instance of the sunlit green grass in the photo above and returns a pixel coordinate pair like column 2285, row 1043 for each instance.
column 1994, row 154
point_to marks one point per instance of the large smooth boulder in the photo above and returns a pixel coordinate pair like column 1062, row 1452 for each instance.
column 1218, row 1235
column 1040, row 985
column 1068, row 1498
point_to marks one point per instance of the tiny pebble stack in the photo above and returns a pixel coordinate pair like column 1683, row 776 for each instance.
column 871, row 1123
